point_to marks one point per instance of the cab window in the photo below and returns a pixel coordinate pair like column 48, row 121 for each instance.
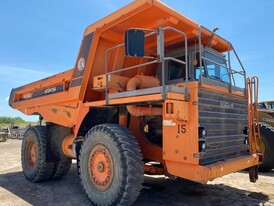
column 198, row 68
column 216, row 68
column 176, row 70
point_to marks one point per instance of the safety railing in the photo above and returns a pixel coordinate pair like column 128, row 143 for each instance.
column 230, row 47
column 160, row 59
column 254, row 134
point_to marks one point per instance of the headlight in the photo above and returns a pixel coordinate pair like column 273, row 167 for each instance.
column 246, row 141
column 202, row 145
column 202, row 132
column 246, row 130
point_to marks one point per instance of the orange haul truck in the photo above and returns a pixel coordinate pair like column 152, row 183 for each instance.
column 151, row 92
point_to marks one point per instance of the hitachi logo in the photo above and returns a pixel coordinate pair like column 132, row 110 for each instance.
column 50, row 90
column 226, row 104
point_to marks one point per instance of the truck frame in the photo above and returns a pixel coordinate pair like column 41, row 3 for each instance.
column 151, row 92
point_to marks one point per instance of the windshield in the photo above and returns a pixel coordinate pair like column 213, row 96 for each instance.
column 216, row 68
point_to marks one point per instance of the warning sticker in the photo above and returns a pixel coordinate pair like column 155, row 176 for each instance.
column 81, row 64
column 169, row 123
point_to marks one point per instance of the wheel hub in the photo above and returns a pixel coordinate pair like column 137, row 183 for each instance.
column 31, row 153
column 100, row 167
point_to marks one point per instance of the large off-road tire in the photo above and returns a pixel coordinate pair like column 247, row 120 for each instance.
column 111, row 167
column 62, row 163
column 61, row 168
column 267, row 135
column 33, row 155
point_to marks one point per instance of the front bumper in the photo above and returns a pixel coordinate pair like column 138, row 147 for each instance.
column 205, row 173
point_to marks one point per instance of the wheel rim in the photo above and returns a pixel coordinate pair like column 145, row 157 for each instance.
column 31, row 153
column 100, row 167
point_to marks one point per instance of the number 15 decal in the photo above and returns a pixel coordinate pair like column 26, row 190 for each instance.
column 182, row 128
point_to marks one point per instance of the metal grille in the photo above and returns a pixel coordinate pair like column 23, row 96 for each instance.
column 224, row 117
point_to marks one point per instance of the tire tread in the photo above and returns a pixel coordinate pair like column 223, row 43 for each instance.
column 131, row 159
column 44, row 168
column 267, row 135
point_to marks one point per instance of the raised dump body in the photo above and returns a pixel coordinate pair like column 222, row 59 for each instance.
column 151, row 92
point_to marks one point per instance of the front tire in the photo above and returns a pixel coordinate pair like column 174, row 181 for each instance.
column 33, row 155
column 111, row 167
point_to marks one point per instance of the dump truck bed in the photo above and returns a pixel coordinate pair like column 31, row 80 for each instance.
column 60, row 98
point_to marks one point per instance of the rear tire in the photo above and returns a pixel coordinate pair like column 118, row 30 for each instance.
column 62, row 163
column 33, row 155
column 61, row 168
column 267, row 135
column 111, row 167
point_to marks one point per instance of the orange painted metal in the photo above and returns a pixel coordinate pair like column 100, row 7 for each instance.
column 81, row 114
column 67, row 146
column 115, row 82
column 144, row 111
column 123, row 119
column 44, row 83
column 142, row 82
column 207, row 173
column 180, row 133
column 256, row 144
column 65, row 99
column 31, row 152
column 136, row 99
column 101, row 169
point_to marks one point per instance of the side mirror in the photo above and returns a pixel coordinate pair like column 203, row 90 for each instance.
column 135, row 43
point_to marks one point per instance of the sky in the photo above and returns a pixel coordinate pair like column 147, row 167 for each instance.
column 42, row 38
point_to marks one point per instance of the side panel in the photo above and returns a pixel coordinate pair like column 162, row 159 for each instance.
column 80, row 64
column 180, row 130
column 56, row 98
column 23, row 96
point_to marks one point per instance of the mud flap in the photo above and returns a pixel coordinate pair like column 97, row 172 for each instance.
column 253, row 173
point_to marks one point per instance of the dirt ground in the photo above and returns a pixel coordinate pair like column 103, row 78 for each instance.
column 233, row 189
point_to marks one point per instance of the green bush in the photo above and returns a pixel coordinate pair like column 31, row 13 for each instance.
column 16, row 121
column 10, row 120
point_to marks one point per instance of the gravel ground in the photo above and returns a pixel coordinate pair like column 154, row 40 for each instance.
column 233, row 189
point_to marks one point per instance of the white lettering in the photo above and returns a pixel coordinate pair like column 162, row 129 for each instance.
column 50, row 90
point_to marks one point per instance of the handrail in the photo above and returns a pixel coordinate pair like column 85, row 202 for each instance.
column 132, row 67
column 161, row 59
column 200, row 27
column 186, row 57
column 229, row 68
column 252, row 87
column 106, row 60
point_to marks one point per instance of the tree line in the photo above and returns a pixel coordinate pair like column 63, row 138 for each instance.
column 16, row 121
column 10, row 120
